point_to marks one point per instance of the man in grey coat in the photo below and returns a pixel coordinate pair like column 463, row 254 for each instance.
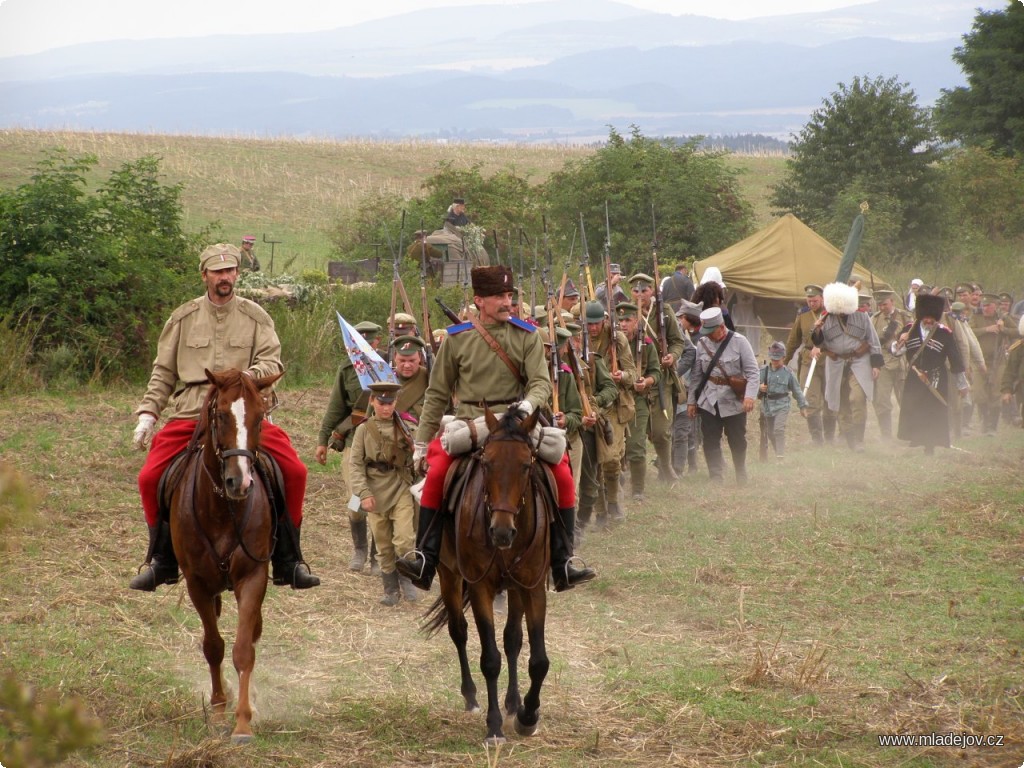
column 853, row 359
column 724, row 359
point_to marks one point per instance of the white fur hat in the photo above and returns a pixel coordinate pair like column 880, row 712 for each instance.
column 712, row 273
column 841, row 299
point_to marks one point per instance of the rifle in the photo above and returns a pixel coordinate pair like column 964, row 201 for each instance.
column 429, row 349
column 497, row 251
column 762, row 422
column 556, row 362
column 613, row 326
column 448, row 311
column 659, row 313
column 585, row 263
column 395, row 278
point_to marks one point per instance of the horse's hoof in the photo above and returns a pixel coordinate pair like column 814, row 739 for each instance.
column 474, row 709
column 494, row 741
column 527, row 730
column 241, row 739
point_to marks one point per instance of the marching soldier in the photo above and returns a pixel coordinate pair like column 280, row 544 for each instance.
column 603, row 396
column 570, row 408
column 346, row 407
column 610, row 453
column 821, row 422
column 853, row 360
column 994, row 335
column 645, row 358
column 381, row 473
column 888, row 322
column 661, row 417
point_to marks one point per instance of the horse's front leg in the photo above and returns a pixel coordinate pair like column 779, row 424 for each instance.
column 482, row 598
column 458, row 631
column 249, row 596
column 513, row 640
column 207, row 607
column 535, row 605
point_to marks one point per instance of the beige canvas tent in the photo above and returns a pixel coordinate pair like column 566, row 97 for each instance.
column 775, row 264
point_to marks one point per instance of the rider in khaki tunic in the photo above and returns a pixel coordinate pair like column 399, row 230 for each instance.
column 381, row 472
column 216, row 331
column 471, row 370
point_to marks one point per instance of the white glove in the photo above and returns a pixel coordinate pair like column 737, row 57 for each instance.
column 419, row 456
column 144, row 431
column 525, row 407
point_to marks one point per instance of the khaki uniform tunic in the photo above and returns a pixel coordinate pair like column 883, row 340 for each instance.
column 200, row 335
column 800, row 338
column 469, row 369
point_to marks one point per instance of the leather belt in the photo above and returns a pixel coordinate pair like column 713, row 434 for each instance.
column 722, row 380
column 381, row 466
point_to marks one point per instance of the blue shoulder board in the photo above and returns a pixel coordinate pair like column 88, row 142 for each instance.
column 803, row 309
column 453, row 329
column 522, row 324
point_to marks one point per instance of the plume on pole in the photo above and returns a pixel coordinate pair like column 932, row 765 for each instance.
column 852, row 246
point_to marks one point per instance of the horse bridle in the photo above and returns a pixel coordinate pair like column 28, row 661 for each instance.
column 514, row 511
column 224, row 455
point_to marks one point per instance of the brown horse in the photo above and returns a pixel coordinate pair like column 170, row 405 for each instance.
column 222, row 529
column 497, row 540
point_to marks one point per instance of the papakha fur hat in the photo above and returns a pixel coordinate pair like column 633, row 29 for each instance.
column 841, row 299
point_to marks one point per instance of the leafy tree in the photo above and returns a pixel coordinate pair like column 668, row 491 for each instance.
column 982, row 194
column 989, row 111
column 870, row 136
column 693, row 196
column 96, row 272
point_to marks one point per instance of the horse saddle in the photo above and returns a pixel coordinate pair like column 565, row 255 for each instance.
column 266, row 467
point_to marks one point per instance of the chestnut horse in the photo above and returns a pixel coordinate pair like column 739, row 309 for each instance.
column 499, row 539
column 222, row 529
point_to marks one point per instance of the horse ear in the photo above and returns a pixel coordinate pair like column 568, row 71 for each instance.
column 210, row 376
column 492, row 421
column 531, row 421
column 266, row 381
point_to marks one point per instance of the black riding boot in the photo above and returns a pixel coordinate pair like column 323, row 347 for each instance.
column 289, row 567
column 420, row 565
column 161, row 565
column 563, row 573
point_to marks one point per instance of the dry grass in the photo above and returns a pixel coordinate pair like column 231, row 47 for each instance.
column 772, row 626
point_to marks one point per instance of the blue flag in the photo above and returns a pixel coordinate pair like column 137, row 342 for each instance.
column 369, row 366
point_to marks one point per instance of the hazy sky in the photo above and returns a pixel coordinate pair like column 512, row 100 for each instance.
column 30, row 26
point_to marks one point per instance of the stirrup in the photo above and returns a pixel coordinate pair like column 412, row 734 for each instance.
column 410, row 565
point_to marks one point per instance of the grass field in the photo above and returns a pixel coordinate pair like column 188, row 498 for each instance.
column 837, row 598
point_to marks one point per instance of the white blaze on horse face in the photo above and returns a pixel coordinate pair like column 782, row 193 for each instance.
column 238, row 410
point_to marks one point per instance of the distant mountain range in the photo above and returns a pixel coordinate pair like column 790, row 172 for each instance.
column 562, row 70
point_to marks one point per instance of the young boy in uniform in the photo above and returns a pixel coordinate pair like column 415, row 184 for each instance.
column 777, row 384
column 381, row 472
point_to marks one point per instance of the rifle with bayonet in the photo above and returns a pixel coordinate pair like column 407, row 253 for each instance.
column 659, row 319
column 609, row 290
column 429, row 349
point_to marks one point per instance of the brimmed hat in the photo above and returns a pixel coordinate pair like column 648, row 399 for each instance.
column 777, row 350
column 491, row 281
column 385, row 391
column 219, row 256
column 929, row 305
column 408, row 345
column 710, row 319
column 594, row 312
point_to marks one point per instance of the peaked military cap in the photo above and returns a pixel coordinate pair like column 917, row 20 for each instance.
column 626, row 309
column 367, row 329
column 811, row 289
column 385, row 391
column 571, row 291
column 989, row 298
column 883, row 294
column 219, row 256
column 1004, row 296
column 642, row 279
column 963, row 288
column 408, row 345
column 403, row 318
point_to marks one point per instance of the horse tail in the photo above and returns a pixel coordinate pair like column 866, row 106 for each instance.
column 436, row 617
